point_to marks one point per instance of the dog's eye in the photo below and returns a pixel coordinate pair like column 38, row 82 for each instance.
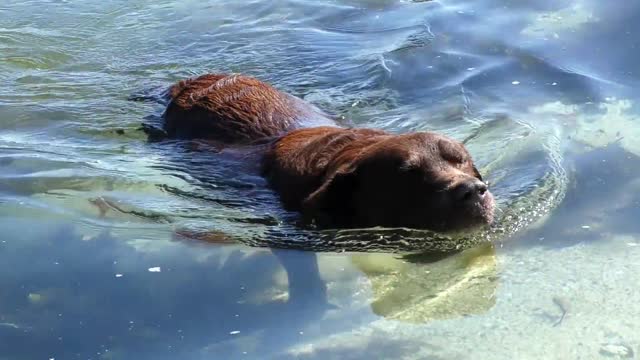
column 454, row 158
column 476, row 173
column 408, row 168
column 451, row 152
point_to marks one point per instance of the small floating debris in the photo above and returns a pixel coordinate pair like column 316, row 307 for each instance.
column 515, row 82
column 120, row 275
column 471, row 69
column 234, row 332
column 35, row 298
column 554, row 84
column 586, row 227
column 155, row 269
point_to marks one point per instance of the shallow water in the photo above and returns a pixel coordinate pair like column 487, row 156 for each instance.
column 543, row 93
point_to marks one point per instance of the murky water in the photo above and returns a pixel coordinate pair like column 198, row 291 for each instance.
column 543, row 93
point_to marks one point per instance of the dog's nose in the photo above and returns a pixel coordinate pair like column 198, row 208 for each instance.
column 470, row 190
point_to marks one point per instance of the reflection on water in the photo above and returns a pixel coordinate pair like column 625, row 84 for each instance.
column 542, row 92
column 88, row 293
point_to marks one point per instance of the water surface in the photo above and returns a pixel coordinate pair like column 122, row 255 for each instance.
column 542, row 92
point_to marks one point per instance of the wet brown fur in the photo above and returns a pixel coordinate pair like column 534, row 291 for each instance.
column 233, row 109
column 334, row 176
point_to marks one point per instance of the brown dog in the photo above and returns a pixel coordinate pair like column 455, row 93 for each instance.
column 335, row 176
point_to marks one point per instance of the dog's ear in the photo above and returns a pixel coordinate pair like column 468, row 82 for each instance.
column 330, row 204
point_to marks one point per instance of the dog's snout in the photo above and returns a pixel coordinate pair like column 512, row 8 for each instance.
column 470, row 190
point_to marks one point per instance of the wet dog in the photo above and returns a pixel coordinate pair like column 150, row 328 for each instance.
column 335, row 176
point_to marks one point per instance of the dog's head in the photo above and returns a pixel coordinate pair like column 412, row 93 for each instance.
column 419, row 180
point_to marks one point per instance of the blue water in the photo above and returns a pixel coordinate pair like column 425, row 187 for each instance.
column 542, row 92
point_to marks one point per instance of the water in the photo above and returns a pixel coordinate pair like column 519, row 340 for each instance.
column 543, row 93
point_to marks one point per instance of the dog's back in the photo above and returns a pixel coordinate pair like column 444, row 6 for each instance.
column 235, row 109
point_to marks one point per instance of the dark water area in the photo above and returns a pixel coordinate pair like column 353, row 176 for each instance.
column 543, row 93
